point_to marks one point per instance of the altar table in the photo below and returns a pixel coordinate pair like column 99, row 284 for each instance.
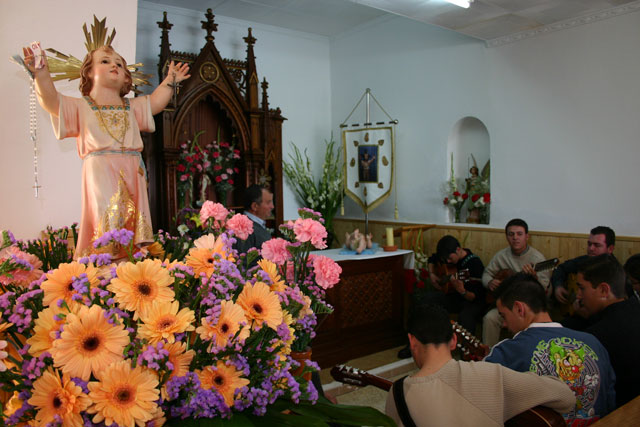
column 368, row 307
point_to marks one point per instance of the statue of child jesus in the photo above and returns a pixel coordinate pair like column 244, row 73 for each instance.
column 107, row 127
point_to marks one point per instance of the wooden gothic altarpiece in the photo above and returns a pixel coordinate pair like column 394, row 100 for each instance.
column 221, row 99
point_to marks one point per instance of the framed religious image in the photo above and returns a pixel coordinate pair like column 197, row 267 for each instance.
column 368, row 163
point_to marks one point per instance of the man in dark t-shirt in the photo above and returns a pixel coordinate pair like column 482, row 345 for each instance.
column 461, row 293
column 613, row 319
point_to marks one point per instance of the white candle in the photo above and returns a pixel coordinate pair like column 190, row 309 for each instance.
column 389, row 236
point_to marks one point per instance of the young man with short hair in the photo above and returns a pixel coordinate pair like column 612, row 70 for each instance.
column 602, row 240
column 547, row 348
column 518, row 256
column 447, row 392
column 614, row 320
column 464, row 297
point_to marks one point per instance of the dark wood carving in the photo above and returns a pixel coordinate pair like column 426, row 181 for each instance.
column 222, row 95
column 368, row 311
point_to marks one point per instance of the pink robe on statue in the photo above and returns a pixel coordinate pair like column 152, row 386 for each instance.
column 114, row 185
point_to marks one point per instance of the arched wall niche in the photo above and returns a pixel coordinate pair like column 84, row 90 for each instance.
column 468, row 141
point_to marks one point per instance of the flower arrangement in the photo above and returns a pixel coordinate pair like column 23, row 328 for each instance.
column 456, row 201
column 215, row 163
column 324, row 196
column 477, row 191
column 224, row 158
column 157, row 338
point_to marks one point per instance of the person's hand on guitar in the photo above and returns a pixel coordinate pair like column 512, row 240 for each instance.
column 435, row 280
column 562, row 294
column 528, row 268
column 458, row 285
column 493, row 284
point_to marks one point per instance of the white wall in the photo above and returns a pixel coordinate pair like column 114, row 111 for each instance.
column 58, row 25
column 562, row 111
column 426, row 77
column 565, row 136
column 295, row 64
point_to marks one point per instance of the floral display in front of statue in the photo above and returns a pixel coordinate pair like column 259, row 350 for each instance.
column 180, row 330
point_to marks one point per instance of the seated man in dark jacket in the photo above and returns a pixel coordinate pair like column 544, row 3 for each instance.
column 614, row 320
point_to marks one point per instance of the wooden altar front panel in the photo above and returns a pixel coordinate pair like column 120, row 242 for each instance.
column 368, row 311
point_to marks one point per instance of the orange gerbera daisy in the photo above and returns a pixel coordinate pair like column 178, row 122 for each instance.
column 163, row 321
column 156, row 250
column 124, row 395
column 89, row 343
column 52, row 396
column 45, row 326
column 139, row 285
column 261, row 305
column 58, row 283
column 277, row 283
column 228, row 325
column 225, row 379
column 180, row 358
column 202, row 257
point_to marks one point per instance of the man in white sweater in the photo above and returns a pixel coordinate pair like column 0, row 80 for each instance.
column 446, row 392
column 517, row 257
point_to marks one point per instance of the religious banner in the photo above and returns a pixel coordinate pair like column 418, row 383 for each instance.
column 368, row 165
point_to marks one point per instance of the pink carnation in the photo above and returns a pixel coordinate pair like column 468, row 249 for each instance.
column 241, row 226
column 213, row 210
column 275, row 250
column 327, row 271
column 21, row 277
column 309, row 230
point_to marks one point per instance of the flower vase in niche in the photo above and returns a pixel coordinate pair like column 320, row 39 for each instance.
column 301, row 357
column 474, row 216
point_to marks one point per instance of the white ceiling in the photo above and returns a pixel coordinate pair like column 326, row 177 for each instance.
column 496, row 21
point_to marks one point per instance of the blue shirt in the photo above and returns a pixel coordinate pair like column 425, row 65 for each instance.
column 577, row 358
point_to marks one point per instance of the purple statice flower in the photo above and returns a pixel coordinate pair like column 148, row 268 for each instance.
column 96, row 259
column 14, row 419
column 82, row 384
column 283, row 332
column 21, row 263
column 21, row 314
column 80, row 284
column 122, row 236
column 138, row 256
column 32, row 368
column 155, row 357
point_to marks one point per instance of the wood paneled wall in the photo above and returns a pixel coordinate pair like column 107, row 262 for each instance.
column 485, row 241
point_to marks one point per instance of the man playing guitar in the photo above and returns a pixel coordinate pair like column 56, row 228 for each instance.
column 447, row 392
column 455, row 272
column 519, row 256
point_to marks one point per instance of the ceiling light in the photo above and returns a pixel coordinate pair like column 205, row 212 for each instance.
column 461, row 3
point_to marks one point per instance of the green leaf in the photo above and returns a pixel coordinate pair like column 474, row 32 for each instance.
column 340, row 414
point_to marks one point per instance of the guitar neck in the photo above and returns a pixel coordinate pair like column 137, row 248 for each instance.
column 546, row 264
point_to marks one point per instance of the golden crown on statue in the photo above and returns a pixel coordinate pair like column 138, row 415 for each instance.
column 64, row 66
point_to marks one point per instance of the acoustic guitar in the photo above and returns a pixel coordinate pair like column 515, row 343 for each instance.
column 447, row 273
column 539, row 416
column 505, row 273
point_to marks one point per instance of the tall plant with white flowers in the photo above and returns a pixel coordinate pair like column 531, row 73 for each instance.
column 325, row 195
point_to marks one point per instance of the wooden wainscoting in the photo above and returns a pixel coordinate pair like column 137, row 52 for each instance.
column 486, row 241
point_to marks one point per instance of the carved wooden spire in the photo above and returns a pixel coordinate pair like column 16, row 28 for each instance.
column 165, row 46
column 252, row 75
column 265, row 97
column 209, row 25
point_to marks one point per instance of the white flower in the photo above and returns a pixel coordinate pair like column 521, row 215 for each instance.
column 182, row 229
